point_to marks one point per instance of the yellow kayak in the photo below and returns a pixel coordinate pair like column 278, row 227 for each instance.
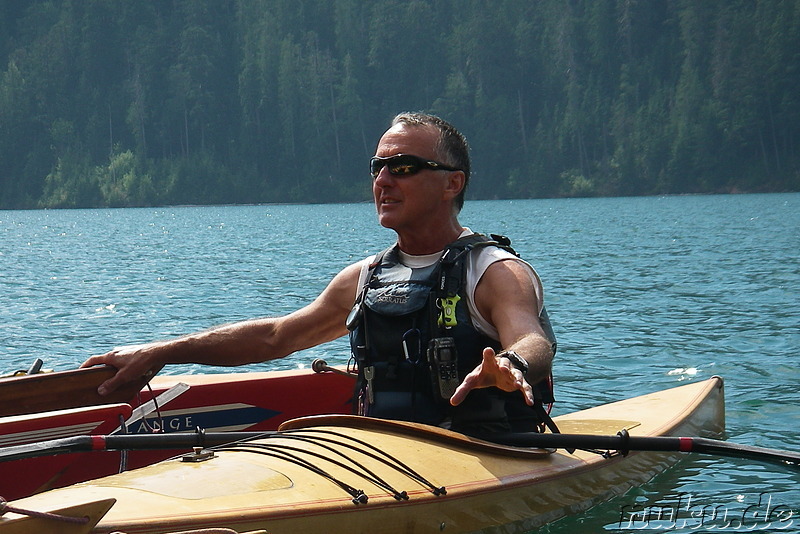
column 351, row 474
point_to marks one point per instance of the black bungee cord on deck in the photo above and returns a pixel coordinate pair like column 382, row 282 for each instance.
column 379, row 455
column 284, row 449
column 370, row 475
column 292, row 454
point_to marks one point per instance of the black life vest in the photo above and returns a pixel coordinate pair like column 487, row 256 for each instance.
column 397, row 319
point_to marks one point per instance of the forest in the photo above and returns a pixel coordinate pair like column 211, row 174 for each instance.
column 113, row 103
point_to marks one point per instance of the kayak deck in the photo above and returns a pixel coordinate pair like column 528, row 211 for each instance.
column 350, row 474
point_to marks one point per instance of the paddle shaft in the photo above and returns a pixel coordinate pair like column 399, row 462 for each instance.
column 120, row 442
column 621, row 442
column 625, row 443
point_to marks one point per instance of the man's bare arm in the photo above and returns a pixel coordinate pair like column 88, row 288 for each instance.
column 244, row 342
column 506, row 297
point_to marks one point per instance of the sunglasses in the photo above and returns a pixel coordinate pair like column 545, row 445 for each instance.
column 405, row 165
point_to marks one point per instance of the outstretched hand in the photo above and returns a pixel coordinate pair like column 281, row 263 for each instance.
column 493, row 372
column 131, row 365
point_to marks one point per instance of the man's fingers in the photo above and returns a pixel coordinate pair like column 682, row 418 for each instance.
column 491, row 373
column 94, row 360
column 489, row 360
column 478, row 378
column 527, row 391
column 109, row 386
column 123, row 370
column 460, row 394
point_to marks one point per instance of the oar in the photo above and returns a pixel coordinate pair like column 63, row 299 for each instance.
column 126, row 442
column 76, row 388
column 622, row 443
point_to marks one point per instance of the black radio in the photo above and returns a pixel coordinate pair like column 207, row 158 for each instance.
column 443, row 357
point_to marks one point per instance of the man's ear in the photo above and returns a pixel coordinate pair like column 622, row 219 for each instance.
column 455, row 183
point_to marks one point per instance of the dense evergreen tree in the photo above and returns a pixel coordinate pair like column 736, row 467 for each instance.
column 112, row 103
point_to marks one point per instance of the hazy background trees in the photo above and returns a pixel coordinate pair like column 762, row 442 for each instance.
column 115, row 103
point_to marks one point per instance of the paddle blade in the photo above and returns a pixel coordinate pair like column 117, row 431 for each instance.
column 625, row 443
column 735, row 450
column 61, row 390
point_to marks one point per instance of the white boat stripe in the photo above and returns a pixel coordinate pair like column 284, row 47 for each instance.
column 31, row 436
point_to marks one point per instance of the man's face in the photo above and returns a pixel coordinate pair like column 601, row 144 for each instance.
column 406, row 203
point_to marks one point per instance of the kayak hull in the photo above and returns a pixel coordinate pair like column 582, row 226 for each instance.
column 298, row 481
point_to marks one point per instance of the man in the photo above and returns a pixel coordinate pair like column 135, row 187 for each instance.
column 420, row 172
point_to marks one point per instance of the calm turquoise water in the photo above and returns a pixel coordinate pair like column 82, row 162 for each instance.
column 645, row 293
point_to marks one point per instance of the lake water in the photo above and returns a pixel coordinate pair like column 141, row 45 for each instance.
column 644, row 293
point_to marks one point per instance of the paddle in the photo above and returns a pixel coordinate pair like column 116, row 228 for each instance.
column 622, row 442
column 42, row 392
column 129, row 442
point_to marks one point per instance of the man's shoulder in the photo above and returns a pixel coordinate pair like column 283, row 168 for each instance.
column 486, row 255
column 501, row 264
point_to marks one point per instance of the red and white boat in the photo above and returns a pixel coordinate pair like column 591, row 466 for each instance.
column 46, row 406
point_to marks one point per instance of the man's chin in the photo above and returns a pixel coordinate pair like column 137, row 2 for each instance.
column 386, row 216
column 386, row 222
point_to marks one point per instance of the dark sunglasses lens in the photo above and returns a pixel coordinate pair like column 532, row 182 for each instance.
column 403, row 165
column 375, row 166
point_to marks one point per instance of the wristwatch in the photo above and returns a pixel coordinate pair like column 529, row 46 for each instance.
column 516, row 360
